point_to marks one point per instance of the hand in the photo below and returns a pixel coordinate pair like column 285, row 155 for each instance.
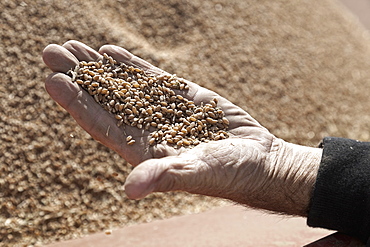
column 252, row 167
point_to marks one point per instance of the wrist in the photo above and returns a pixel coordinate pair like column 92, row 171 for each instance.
column 294, row 175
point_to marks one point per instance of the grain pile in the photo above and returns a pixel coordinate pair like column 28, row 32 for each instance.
column 150, row 102
column 300, row 68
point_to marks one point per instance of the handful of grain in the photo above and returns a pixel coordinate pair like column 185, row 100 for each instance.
column 149, row 102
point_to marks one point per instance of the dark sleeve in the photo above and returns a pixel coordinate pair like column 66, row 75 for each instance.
column 341, row 197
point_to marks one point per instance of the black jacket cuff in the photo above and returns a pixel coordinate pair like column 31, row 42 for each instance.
column 341, row 197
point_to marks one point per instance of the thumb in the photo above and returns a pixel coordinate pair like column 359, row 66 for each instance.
column 161, row 175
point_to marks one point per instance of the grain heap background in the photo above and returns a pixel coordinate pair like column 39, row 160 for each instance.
column 301, row 68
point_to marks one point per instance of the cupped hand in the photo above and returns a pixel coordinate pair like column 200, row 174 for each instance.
column 251, row 167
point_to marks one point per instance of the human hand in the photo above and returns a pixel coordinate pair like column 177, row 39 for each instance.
column 102, row 125
column 252, row 167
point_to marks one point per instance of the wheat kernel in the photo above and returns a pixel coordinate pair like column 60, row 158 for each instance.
column 210, row 120
column 211, row 114
column 95, row 84
column 151, row 141
column 186, row 142
column 134, row 110
column 193, row 119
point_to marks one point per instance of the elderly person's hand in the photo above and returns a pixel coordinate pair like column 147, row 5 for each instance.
column 251, row 167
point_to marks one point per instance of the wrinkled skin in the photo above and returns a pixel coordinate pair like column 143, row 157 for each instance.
column 252, row 167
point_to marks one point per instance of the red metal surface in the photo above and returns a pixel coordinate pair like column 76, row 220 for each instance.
column 221, row 227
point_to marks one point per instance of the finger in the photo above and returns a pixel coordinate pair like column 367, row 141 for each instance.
column 122, row 55
column 161, row 175
column 212, row 169
column 58, row 58
column 99, row 123
column 81, row 51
